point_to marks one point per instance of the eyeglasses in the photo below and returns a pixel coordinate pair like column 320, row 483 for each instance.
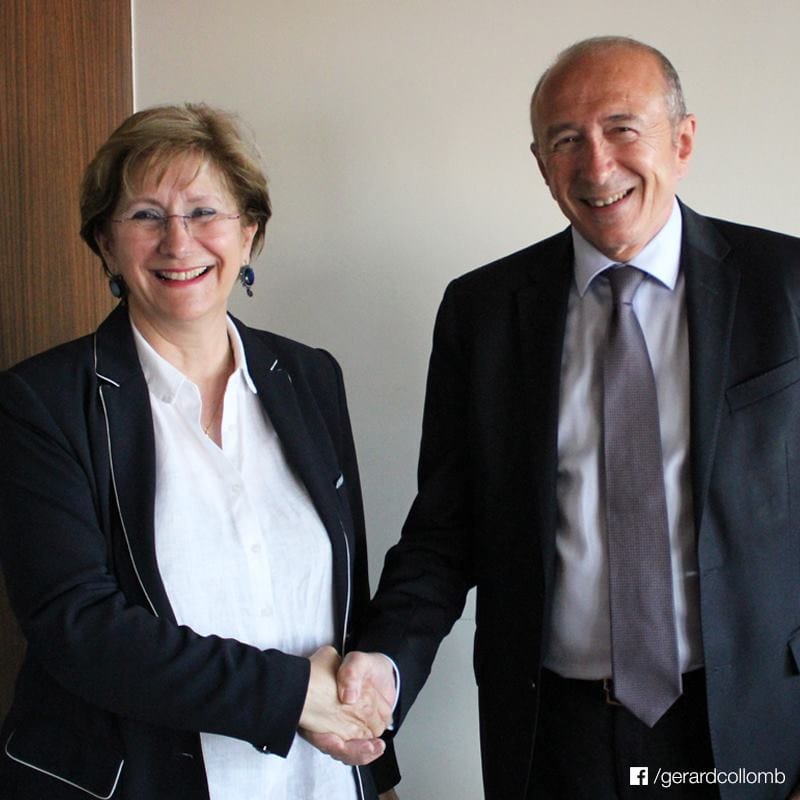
column 149, row 223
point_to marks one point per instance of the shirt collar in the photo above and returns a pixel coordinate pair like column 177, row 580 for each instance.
column 660, row 257
column 166, row 380
column 239, row 357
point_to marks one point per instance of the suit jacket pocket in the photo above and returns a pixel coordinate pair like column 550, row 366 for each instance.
column 763, row 385
column 45, row 746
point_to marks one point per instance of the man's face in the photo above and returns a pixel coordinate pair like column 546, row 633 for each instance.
column 608, row 150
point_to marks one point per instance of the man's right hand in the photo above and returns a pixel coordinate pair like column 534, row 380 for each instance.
column 365, row 717
column 363, row 678
column 366, row 672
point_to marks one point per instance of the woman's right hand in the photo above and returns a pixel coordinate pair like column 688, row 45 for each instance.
column 323, row 713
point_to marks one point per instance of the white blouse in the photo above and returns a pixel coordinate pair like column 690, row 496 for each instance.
column 242, row 554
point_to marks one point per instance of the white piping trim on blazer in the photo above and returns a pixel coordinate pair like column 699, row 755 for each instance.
column 349, row 588
column 360, row 786
column 275, row 364
column 64, row 780
column 339, row 484
column 114, row 484
column 103, row 377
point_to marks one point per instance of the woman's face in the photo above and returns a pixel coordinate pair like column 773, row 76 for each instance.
column 176, row 271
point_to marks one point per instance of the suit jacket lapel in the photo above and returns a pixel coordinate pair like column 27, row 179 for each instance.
column 542, row 313
column 711, row 291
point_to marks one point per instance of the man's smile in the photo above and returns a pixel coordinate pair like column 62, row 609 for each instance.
column 601, row 202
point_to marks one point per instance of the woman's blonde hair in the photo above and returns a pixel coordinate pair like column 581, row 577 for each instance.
column 148, row 141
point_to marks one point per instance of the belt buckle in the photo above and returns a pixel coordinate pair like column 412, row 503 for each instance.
column 608, row 688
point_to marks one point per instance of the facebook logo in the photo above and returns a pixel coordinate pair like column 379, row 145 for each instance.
column 640, row 776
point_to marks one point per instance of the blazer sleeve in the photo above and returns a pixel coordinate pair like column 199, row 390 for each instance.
column 86, row 639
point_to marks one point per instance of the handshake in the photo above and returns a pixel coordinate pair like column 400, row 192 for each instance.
column 348, row 705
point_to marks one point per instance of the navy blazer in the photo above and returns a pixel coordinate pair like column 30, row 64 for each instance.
column 112, row 693
column 485, row 513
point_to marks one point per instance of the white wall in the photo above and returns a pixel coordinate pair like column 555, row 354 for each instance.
column 396, row 140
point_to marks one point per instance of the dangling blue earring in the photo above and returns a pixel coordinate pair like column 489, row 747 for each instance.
column 247, row 278
column 117, row 286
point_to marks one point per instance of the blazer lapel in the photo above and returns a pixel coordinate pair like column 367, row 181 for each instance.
column 711, row 292
column 131, row 447
column 309, row 454
column 131, row 450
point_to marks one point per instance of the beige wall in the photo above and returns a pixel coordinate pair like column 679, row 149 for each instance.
column 396, row 138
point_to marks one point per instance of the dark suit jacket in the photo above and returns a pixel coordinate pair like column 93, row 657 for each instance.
column 112, row 692
column 485, row 514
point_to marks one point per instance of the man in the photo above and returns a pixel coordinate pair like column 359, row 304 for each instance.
column 543, row 483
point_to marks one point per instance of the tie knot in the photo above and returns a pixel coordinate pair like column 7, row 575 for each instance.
column 624, row 281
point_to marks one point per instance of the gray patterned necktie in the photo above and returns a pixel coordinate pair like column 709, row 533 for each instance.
column 644, row 649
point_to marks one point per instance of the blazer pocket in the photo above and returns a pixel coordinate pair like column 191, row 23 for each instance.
column 768, row 383
column 48, row 748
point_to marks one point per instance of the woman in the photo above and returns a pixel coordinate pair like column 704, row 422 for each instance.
column 182, row 531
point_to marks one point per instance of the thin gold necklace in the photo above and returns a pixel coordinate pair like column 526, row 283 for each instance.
column 207, row 427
